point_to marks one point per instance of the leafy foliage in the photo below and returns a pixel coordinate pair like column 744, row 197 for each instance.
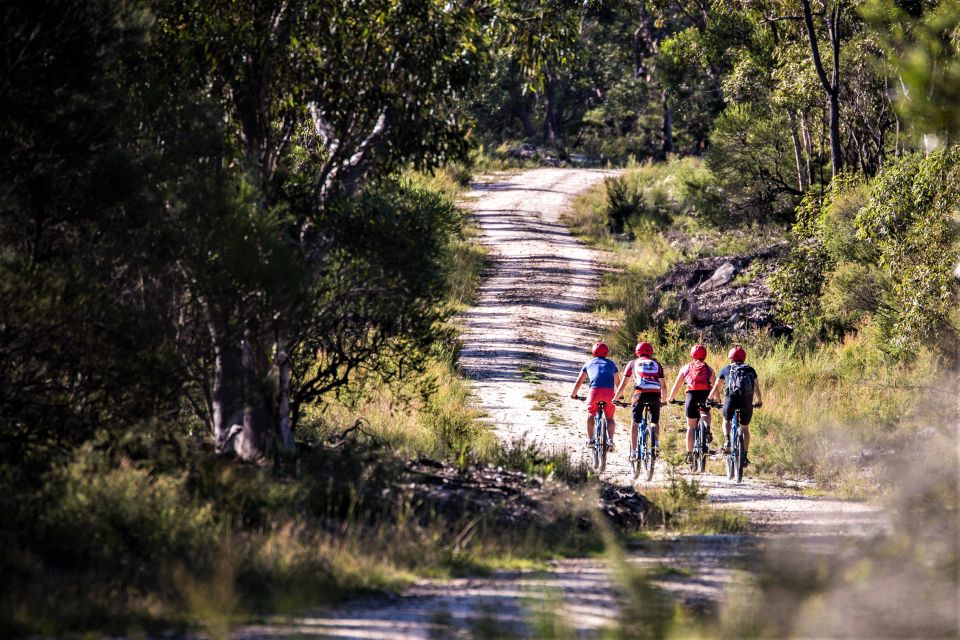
column 882, row 251
column 912, row 222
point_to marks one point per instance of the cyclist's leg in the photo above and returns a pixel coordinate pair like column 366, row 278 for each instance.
column 693, row 414
column 746, row 415
column 727, row 413
column 637, row 415
column 654, row 425
column 592, row 399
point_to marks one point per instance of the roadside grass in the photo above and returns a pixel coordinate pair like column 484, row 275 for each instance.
column 543, row 400
column 682, row 508
column 831, row 409
column 529, row 373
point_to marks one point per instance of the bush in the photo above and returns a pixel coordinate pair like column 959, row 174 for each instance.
column 754, row 173
column 881, row 253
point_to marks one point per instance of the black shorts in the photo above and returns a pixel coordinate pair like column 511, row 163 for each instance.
column 745, row 405
column 650, row 399
column 695, row 398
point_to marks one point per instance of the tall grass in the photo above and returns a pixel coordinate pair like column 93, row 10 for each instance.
column 829, row 407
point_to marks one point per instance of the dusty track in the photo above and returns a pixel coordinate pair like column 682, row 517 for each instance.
column 525, row 340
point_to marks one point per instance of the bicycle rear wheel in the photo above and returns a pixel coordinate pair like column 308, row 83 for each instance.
column 649, row 456
column 728, row 460
column 738, row 463
column 637, row 465
column 600, row 450
column 699, row 442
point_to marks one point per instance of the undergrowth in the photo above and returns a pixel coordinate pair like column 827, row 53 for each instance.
column 151, row 531
column 831, row 408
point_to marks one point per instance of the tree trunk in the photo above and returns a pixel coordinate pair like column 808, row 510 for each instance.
column 807, row 147
column 550, row 133
column 226, row 392
column 284, row 418
column 831, row 86
column 250, row 395
column 256, row 439
column 667, row 122
column 836, row 151
column 521, row 109
column 523, row 115
column 797, row 151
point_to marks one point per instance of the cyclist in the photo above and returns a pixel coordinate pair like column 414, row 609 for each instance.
column 699, row 378
column 647, row 373
column 604, row 378
column 741, row 385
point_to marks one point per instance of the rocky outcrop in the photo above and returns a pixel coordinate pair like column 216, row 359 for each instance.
column 721, row 297
column 512, row 498
column 548, row 157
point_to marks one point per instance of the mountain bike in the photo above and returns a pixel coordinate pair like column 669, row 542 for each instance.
column 701, row 448
column 734, row 459
column 601, row 438
column 646, row 452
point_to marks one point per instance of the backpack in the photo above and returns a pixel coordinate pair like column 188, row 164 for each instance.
column 645, row 376
column 698, row 376
column 741, row 380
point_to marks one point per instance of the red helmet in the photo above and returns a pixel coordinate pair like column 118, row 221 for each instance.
column 600, row 350
column 698, row 352
column 737, row 354
column 644, row 349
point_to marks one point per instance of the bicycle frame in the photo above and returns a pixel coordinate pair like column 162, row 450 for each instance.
column 600, row 424
column 700, row 449
column 646, row 452
column 600, row 436
column 642, row 433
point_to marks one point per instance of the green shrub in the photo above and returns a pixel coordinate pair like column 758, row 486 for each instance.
column 123, row 521
column 754, row 172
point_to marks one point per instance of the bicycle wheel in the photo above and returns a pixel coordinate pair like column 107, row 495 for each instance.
column 637, row 465
column 601, row 448
column 702, row 458
column 698, row 444
column 649, row 456
column 729, row 460
column 738, row 463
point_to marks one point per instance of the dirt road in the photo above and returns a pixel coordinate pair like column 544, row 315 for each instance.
column 532, row 327
column 524, row 344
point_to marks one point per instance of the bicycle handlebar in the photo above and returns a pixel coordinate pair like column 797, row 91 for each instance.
column 619, row 403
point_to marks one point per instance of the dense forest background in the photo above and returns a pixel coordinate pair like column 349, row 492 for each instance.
column 222, row 224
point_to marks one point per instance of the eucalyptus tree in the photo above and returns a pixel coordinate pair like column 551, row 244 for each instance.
column 318, row 100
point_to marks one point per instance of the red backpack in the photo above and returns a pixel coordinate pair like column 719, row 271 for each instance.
column 698, row 376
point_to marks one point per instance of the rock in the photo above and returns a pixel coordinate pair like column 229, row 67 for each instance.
column 720, row 277
column 511, row 498
column 703, row 293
